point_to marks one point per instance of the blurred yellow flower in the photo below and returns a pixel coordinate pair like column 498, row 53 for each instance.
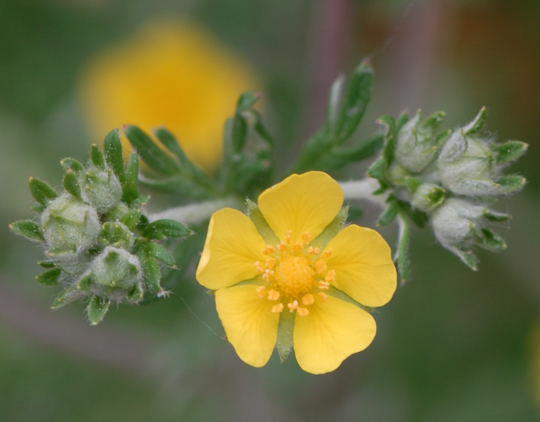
column 173, row 74
column 288, row 271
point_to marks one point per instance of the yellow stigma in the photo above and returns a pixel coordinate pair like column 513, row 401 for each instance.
column 294, row 275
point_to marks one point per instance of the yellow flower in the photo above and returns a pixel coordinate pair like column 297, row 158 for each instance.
column 171, row 74
column 289, row 268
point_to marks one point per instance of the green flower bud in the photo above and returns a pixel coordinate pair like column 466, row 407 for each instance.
column 418, row 142
column 428, row 197
column 459, row 225
column 69, row 226
column 100, row 188
column 115, row 272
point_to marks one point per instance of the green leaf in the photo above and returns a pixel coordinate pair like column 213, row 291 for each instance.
column 467, row 257
column 491, row 240
column 130, row 186
column 477, row 124
column 113, row 153
column 47, row 264
column 178, row 185
column 150, row 267
column 71, row 184
column 71, row 164
column 389, row 214
column 97, row 309
column 69, row 295
column 27, row 228
column 246, row 101
column 186, row 165
column 96, row 156
column 402, row 258
column 339, row 157
column 162, row 229
column 162, row 253
column 153, row 156
column 355, row 101
column 509, row 152
column 50, row 278
column 41, row 191
column 496, row 216
column 512, row 183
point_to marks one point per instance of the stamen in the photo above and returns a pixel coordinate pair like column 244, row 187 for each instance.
column 259, row 266
column 327, row 253
column 321, row 266
column 288, row 237
column 269, row 250
column 306, row 238
column 330, row 276
column 270, row 263
column 261, row 291
column 324, row 285
column 282, row 246
column 313, row 251
column 302, row 311
column 297, row 248
column 308, row 299
column 292, row 306
column 277, row 308
column 273, row 294
column 323, row 295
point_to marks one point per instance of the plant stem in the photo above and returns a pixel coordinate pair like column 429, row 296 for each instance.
column 363, row 190
column 195, row 213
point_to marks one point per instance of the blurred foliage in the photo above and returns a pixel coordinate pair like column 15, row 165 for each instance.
column 454, row 344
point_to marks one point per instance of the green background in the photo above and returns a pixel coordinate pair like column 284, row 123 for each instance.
column 453, row 345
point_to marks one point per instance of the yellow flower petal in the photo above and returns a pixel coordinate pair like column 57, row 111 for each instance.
column 249, row 323
column 232, row 247
column 363, row 264
column 333, row 330
column 301, row 203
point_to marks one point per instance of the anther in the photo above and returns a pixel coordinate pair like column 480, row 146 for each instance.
column 277, row 308
column 330, row 276
column 308, row 299
column 270, row 263
column 273, row 294
column 269, row 250
column 323, row 295
column 327, row 253
column 261, row 291
column 259, row 266
column 282, row 246
column 313, row 251
column 324, row 285
column 321, row 266
column 302, row 311
column 292, row 305
column 306, row 238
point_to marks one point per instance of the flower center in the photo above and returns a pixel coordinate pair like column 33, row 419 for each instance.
column 295, row 275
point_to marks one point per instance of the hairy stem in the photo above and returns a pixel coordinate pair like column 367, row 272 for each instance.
column 195, row 213
column 363, row 190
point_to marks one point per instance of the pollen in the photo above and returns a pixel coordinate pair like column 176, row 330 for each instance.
column 295, row 274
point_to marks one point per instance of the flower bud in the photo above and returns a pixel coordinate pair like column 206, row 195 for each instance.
column 69, row 225
column 101, row 189
column 428, row 196
column 459, row 225
column 116, row 267
column 418, row 142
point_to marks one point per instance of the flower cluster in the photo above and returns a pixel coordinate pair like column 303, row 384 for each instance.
column 291, row 274
column 449, row 176
column 99, row 245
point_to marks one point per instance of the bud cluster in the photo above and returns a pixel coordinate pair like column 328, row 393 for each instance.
column 450, row 176
column 99, row 245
